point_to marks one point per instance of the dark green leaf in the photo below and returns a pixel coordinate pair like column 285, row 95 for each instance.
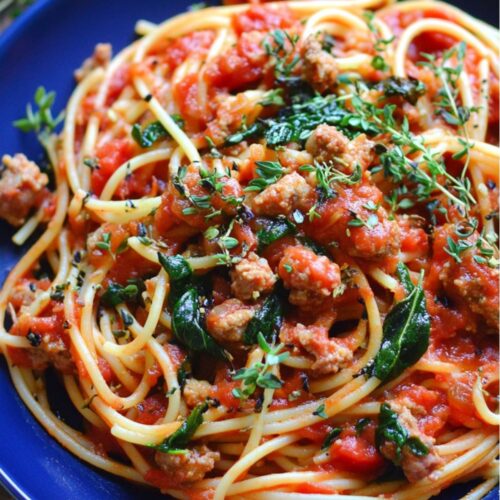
column 186, row 325
column 177, row 266
column 118, row 294
column 410, row 89
column 179, row 440
column 404, row 277
column 267, row 321
column 390, row 429
column 405, row 336
column 151, row 133
column 272, row 230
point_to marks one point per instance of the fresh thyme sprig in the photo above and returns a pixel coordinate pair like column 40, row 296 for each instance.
column 259, row 375
column 41, row 121
column 446, row 104
column 280, row 45
column 395, row 160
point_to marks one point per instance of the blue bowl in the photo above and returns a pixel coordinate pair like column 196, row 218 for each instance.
column 43, row 47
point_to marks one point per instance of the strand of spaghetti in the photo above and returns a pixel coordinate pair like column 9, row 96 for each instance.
column 80, row 404
column 121, row 372
column 450, row 471
column 143, row 334
column 485, row 32
column 439, row 25
column 247, row 461
column 462, row 443
column 144, row 27
column 482, row 409
column 481, row 490
column 334, row 15
column 258, row 426
column 28, row 228
column 43, row 298
column 130, row 166
column 52, row 427
column 285, row 495
column 82, row 89
column 32, row 255
column 374, row 340
column 479, row 134
column 90, row 363
column 382, row 489
column 121, row 212
column 328, row 479
column 93, row 279
column 170, row 375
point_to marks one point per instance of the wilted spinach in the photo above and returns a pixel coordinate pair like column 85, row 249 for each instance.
column 272, row 230
column 177, row 442
column 405, row 334
column 410, row 89
column 267, row 320
column 390, row 429
column 188, row 329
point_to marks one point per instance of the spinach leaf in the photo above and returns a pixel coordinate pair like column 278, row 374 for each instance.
column 118, row 294
column 410, row 89
column 267, row 321
column 331, row 437
column 274, row 229
column 268, row 173
column 404, row 277
column 151, row 133
column 177, row 442
column 406, row 336
column 390, row 429
column 177, row 267
column 187, row 327
column 296, row 122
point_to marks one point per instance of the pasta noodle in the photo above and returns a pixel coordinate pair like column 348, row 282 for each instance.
column 268, row 267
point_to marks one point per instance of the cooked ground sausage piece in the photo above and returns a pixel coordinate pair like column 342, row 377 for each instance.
column 187, row 467
column 21, row 185
column 310, row 278
column 327, row 144
column 469, row 281
column 414, row 467
column 355, row 221
column 228, row 321
column 196, row 391
column 320, row 68
column 330, row 355
column 252, row 277
column 283, row 197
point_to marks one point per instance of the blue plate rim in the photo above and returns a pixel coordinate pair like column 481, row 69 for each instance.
column 7, row 38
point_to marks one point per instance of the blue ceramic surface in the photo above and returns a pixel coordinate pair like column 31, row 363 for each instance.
column 43, row 47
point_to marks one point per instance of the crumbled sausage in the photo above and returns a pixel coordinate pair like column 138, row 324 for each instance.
column 52, row 351
column 355, row 220
column 187, row 467
column 228, row 321
column 414, row 467
column 327, row 144
column 330, row 355
column 100, row 58
column 283, row 197
column 196, row 391
column 21, row 186
column 320, row 68
column 310, row 278
column 252, row 277
column 471, row 282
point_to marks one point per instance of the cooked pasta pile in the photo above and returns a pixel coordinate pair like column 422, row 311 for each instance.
column 268, row 266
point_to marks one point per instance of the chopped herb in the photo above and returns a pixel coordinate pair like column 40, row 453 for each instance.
column 268, row 173
column 259, row 374
column 320, row 411
column 118, row 294
column 149, row 135
column 273, row 97
column 57, row 292
column 35, row 339
column 105, row 243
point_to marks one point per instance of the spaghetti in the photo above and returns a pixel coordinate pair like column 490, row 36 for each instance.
column 269, row 262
